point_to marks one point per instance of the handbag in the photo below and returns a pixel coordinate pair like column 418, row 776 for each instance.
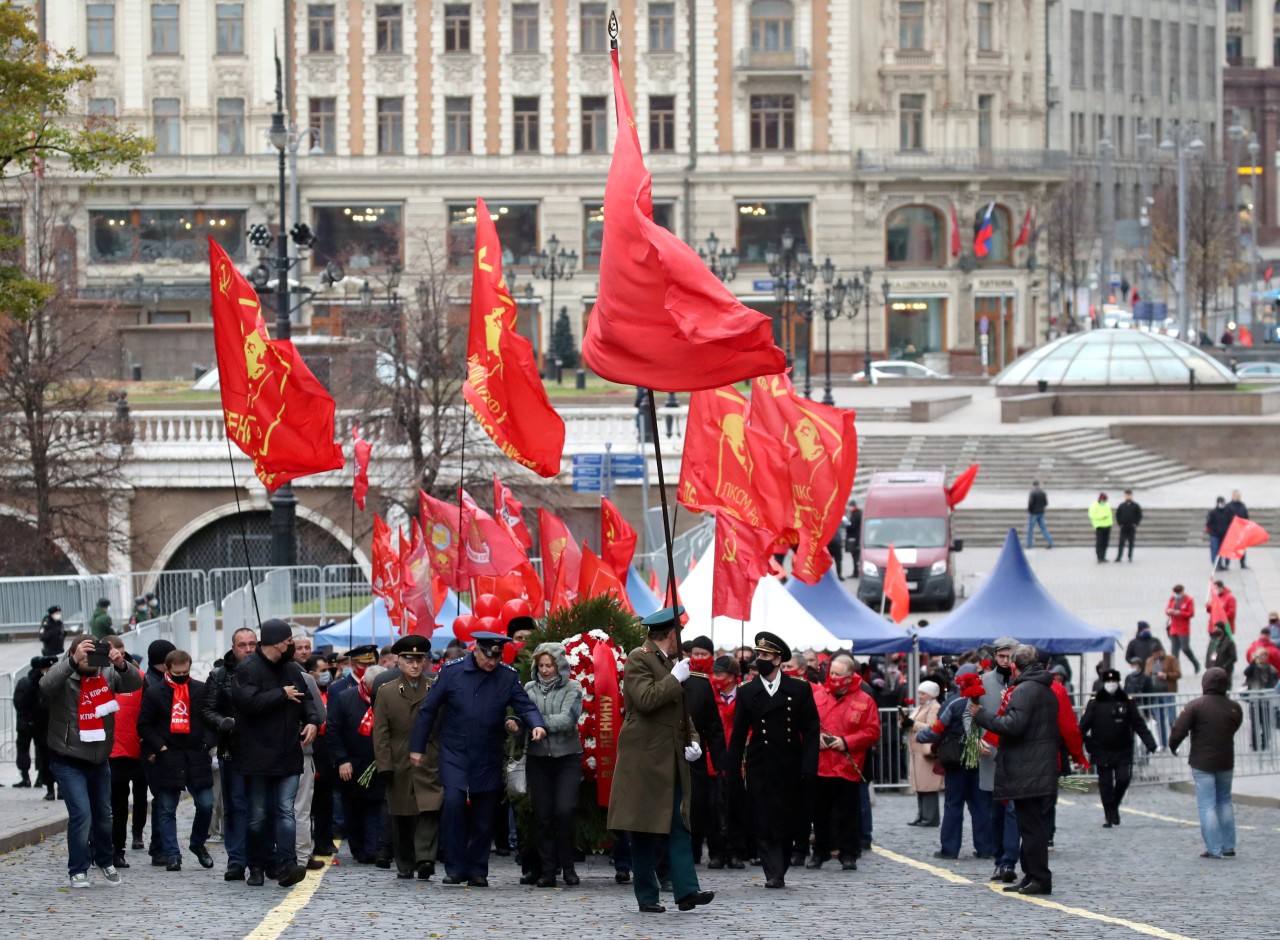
column 951, row 753
column 517, row 777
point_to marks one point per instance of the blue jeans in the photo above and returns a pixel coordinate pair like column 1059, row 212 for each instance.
column 864, row 795
column 235, row 815
column 1004, row 834
column 272, row 830
column 1037, row 519
column 86, row 789
column 166, row 799
column 1164, row 712
column 1215, row 542
column 1217, row 814
column 962, row 790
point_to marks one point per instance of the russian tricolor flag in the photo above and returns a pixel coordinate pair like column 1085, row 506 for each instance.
column 982, row 240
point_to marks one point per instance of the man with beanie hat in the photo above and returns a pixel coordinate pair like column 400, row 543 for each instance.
column 100, row 623
column 275, row 716
column 156, row 654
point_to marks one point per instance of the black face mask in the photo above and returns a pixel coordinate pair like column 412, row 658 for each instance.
column 766, row 667
column 288, row 653
column 179, row 680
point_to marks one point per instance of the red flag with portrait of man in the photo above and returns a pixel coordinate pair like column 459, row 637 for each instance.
column 561, row 560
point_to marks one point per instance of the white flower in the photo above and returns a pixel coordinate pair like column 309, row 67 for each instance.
column 591, row 763
column 599, row 635
column 589, row 744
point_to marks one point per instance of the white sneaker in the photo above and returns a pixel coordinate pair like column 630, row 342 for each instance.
column 81, row 880
column 109, row 872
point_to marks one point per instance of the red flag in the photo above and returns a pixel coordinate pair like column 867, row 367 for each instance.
column 895, row 588
column 491, row 547
column 415, row 583
column 441, row 529
column 503, row 387
column 662, row 320
column 1025, row 234
column 604, row 668
column 823, row 456
column 1241, row 536
column 559, row 551
column 510, row 511
column 617, row 539
column 596, row 577
column 742, row 557
column 955, row 233
column 274, row 409
column 959, row 489
column 360, row 488
column 386, row 570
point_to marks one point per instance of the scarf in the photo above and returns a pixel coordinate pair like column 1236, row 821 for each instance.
column 546, row 685
column 366, row 723
column 96, row 702
column 180, row 713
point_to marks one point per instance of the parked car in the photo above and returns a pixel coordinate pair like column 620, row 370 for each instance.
column 1259, row 370
column 898, row 369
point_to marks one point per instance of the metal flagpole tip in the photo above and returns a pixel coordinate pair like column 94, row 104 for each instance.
column 613, row 29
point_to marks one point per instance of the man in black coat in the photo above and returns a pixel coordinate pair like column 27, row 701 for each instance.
column 1128, row 518
column 218, row 711
column 1236, row 509
column 275, row 716
column 705, row 714
column 52, row 633
column 1027, row 762
column 175, row 751
column 349, row 737
column 26, row 704
column 779, row 714
column 1109, row 723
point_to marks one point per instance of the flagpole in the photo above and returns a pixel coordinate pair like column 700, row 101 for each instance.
column 244, row 534
column 662, row 492
column 351, row 574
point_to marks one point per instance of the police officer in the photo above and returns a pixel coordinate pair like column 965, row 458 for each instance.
column 471, row 697
column 779, row 714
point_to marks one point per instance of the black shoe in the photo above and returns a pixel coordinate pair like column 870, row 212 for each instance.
column 159, row 861
column 313, row 864
column 697, row 899
column 453, row 881
column 477, row 882
column 942, row 854
column 528, row 879
column 1014, row 887
column 255, row 879
column 404, row 873
column 24, row 784
column 273, row 871
column 325, row 851
column 848, row 864
column 1229, row 853
column 736, row 863
column 797, row 859
column 202, row 856
column 979, row 855
column 119, row 861
column 715, row 864
column 1008, row 875
column 234, row 873
column 665, row 884
column 924, row 825
column 775, row 883
column 1036, row 887
column 49, row 798
column 1107, row 824
column 291, row 875
column 426, row 870
column 916, row 822
column 623, row 877
column 652, row 909
column 546, row 881
column 571, row 878
column 382, row 862
column 173, row 864
column 814, row 862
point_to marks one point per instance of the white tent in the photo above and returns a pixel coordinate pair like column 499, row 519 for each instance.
column 772, row 609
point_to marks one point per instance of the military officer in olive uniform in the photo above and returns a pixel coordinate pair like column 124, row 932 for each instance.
column 777, row 711
column 414, row 794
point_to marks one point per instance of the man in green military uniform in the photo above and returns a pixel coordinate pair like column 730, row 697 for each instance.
column 100, row 623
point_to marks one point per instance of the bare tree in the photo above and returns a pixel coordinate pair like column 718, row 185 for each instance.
column 1071, row 230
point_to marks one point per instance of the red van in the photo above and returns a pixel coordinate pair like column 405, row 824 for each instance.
column 908, row 510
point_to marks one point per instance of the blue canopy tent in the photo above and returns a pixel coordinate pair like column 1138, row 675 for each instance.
column 848, row 618
column 1012, row 602
column 642, row 597
column 372, row 625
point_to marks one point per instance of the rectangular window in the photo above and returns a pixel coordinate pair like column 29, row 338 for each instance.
column 986, row 27
column 323, row 113
column 662, row 123
column 100, row 22
column 166, row 126
column 320, row 27
column 230, row 125
column 164, row 29
column 517, row 225
column 1155, row 62
column 457, row 125
column 986, row 105
column 390, row 125
column 773, row 122
column 772, row 27
column 524, row 28
column 594, row 21
column 457, row 27
column 1098, row 45
column 389, row 28
column 359, row 236
column 1118, row 137
column 1193, row 60
column 1212, row 66
column 662, row 27
column 595, row 125
column 762, row 224
column 1117, row 53
column 911, row 24
column 525, row 112
column 229, row 28
column 911, row 122
column 1077, row 48
column 129, row 236
column 1136, row 64
column 102, row 107
column 1077, row 132
column 1175, row 60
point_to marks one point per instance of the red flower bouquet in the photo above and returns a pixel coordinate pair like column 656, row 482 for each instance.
column 970, row 686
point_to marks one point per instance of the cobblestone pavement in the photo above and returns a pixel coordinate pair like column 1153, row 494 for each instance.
column 1144, row 878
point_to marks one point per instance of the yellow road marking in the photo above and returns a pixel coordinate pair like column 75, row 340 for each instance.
column 1134, row 925
column 923, row 866
column 280, row 917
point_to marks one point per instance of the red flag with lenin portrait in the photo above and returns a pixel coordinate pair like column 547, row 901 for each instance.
column 561, row 560
column 274, row 409
column 661, row 319
column 596, row 576
column 824, row 456
column 385, row 575
column 415, row 584
column 617, row 539
column 720, row 470
column 492, row 548
column 503, row 387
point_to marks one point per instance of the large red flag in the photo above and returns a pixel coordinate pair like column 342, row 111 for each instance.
column 596, row 577
column 955, row 238
column 617, row 539
column 662, row 320
column 1025, row 235
column 823, row 457
column 743, row 553
column 491, row 547
column 386, row 570
column 360, row 487
column 960, row 487
column 274, row 409
column 896, row 591
column 415, row 584
column 1241, row 536
column 559, row 551
column 442, row 531
column 510, row 511
column 503, row 387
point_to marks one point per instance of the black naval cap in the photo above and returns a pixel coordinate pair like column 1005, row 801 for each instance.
column 412, row 645
column 663, row 621
column 767, row 642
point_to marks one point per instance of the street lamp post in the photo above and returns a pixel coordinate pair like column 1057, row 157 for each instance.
column 1144, row 141
column 1185, row 142
column 1106, row 180
column 1235, row 133
column 860, row 297
column 792, row 270
column 833, row 307
column 554, row 264
column 1254, row 150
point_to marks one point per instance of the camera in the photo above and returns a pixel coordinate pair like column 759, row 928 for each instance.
column 100, row 656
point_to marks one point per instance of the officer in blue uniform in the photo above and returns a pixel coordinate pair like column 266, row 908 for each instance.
column 471, row 697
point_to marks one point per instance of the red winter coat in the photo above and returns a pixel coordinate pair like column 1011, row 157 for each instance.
column 126, row 742
column 1068, row 727
column 1228, row 607
column 1273, row 655
column 1179, row 613
column 853, row 717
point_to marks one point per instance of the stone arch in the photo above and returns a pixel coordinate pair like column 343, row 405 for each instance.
column 21, row 518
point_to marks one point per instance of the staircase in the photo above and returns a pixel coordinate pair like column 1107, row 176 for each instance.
column 1168, row 528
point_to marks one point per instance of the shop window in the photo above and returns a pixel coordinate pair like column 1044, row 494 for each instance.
column 129, row 236
column 359, row 236
column 516, row 223
column 761, row 226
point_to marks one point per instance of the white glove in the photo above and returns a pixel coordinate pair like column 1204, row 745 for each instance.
column 693, row 752
column 681, row 670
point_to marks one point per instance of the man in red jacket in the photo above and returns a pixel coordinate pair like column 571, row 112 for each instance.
column 850, row 726
column 1179, row 610
column 1071, row 738
column 127, row 771
column 1228, row 602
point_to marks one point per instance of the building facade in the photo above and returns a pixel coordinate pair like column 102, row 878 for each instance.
column 1251, row 97
column 880, row 135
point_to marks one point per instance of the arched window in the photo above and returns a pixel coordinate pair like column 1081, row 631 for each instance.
column 999, row 245
column 915, row 236
column 772, row 26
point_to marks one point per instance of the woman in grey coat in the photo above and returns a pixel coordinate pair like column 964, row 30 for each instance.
column 554, row 764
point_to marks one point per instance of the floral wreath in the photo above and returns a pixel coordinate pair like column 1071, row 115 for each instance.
column 579, row 650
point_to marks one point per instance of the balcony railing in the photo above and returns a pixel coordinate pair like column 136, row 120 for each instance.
column 963, row 161
column 773, row 60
